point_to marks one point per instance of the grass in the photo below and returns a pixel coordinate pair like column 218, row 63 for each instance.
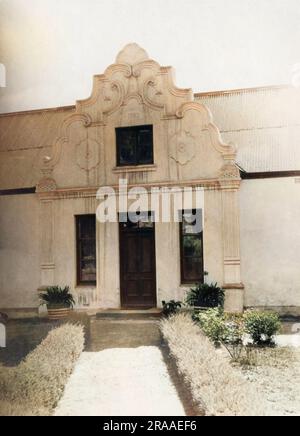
column 35, row 386
column 216, row 386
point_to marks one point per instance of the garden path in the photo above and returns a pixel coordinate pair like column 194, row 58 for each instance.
column 124, row 372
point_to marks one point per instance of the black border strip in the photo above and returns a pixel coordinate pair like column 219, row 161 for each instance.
column 269, row 175
column 19, row 191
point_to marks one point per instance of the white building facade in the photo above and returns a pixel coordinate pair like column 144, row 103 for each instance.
column 238, row 150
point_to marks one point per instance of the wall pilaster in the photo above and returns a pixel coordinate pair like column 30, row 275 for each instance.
column 230, row 185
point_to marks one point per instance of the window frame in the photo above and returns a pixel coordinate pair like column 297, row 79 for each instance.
column 137, row 162
column 79, row 281
column 183, row 279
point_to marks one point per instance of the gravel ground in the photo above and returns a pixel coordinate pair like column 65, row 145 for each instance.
column 277, row 376
column 121, row 382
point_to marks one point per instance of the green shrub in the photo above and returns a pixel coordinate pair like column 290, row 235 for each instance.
column 171, row 308
column 55, row 296
column 212, row 324
column 233, row 337
column 262, row 326
column 235, row 327
column 205, row 295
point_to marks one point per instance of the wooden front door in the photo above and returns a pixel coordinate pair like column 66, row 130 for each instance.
column 137, row 265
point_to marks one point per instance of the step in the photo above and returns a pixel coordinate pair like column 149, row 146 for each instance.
column 129, row 314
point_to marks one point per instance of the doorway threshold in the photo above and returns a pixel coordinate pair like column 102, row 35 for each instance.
column 129, row 313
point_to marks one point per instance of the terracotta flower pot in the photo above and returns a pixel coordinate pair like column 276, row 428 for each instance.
column 58, row 313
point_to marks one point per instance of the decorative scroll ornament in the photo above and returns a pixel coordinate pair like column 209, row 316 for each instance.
column 87, row 152
column 183, row 147
column 153, row 93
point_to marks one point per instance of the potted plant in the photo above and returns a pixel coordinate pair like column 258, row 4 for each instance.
column 59, row 302
column 206, row 296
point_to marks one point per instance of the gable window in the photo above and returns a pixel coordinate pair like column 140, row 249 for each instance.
column 191, row 247
column 86, row 249
column 134, row 145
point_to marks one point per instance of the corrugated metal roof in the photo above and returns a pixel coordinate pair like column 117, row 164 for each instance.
column 264, row 124
column 24, row 140
column 33, row 129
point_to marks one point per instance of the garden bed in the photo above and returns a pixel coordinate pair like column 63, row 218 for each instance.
column 276, row 374
column 266, row 383
column 218, row 387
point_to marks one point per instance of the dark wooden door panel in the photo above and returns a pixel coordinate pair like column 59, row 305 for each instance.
column 137, row 266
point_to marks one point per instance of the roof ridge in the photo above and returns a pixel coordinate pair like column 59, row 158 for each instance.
column 38, row 111
column 197, row 94
column 241, row 90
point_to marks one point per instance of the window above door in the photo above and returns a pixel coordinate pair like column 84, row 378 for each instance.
column 134, row 146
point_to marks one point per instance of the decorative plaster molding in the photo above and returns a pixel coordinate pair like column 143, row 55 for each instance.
column 87, row 154
column 228, row 151
column 90, row 192
column 46, row 185
column 134, row 169
column 230, row 171
column 52, row 161
column 183, row 147
column 132, row 54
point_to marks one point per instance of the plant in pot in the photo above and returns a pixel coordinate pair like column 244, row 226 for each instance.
column 59, row 301
column 206, row 296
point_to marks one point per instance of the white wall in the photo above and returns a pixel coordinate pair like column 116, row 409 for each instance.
column 19, row 251
column 51, row 48
column 270, row 241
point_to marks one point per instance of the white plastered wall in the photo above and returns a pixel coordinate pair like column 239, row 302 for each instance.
column 270, row 241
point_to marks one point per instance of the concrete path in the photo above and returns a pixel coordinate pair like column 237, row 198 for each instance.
column 124, row 374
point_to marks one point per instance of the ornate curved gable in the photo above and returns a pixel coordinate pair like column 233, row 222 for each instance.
column 134, row 76
column 136, row 91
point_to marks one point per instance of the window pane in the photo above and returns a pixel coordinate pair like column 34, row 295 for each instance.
column 126, row 139
column 192, row 246
column 86, row 249
column 88, row 272
column 87, row 227
column 134, row 145
column 192, row 269
column 145, row 146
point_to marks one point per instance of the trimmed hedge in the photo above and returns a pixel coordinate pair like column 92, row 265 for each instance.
column 216, row 386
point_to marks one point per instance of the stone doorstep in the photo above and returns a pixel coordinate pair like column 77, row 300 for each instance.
column 30, row 313
column 119, row 314
column 33, row 313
